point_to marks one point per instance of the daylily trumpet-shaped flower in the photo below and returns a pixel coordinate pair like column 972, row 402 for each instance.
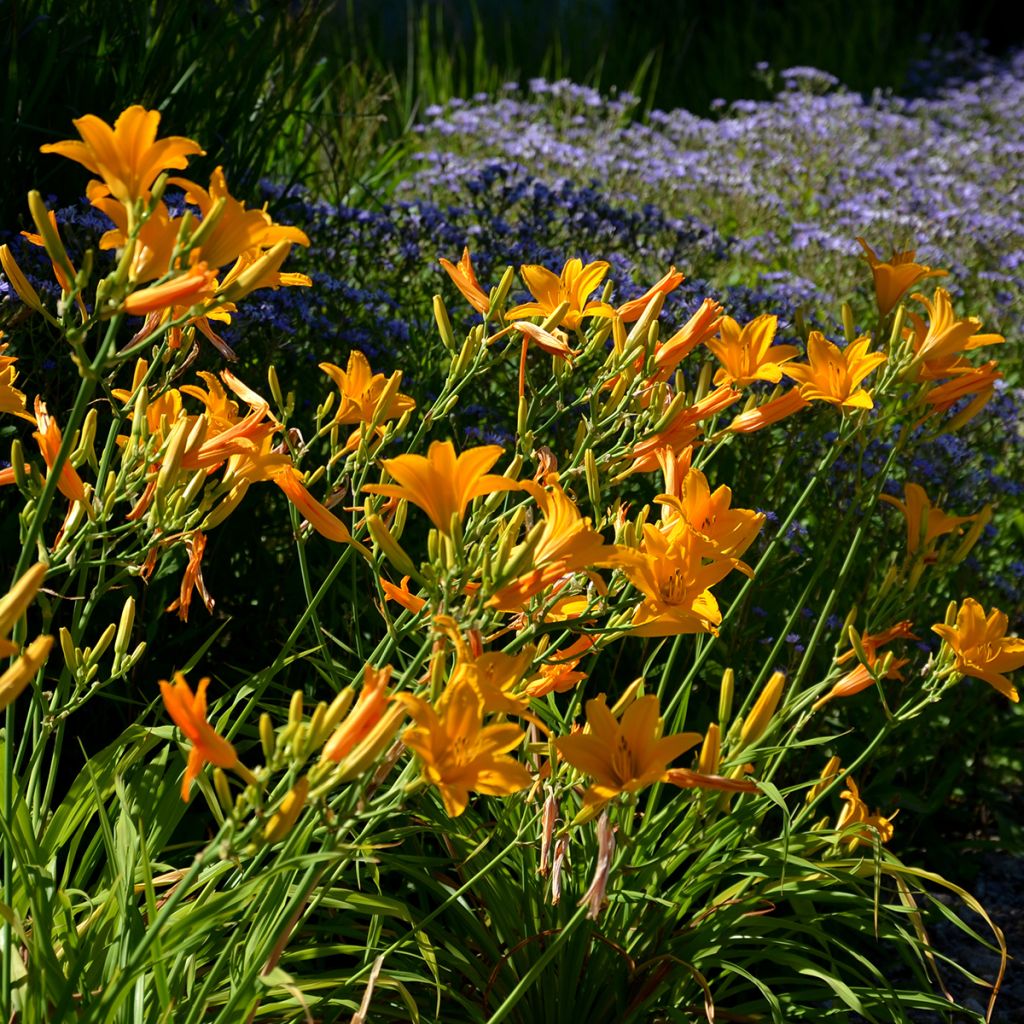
column 574, row 285
column 725, row 530
column 773, row 411
column 978, row 381
column 834, row 374
column 365, row 396
column 633, row 310
column 458, row 752
column 11, row 399
column 623, row 756
column 402, row 595
column 128, row 157
column 188, row 711
column 939, row 345
column 748, row 354
column 697, row 330
column 925, row 522
column 359, row 723
column 860, row 678
column 675, row 579
column 49, row 439
column 464, row 278
column 567, row 543
column 981, row 647
column 895, row 277
column 442, row 483
column 856, row 813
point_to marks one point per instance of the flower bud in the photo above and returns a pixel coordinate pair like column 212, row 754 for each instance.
column 280, row 823
column 444, row 325
column 757, row 722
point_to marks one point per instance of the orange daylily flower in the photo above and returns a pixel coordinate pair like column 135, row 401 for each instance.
column 128, row 156
column 188, row 711
column 939, row 345
column 856, row 813
column 981, row 647
column 623, row 756
column 443, row 483
column 325, row 522
column 697, row 330
column 895, row 277
column 458, row 752
column 11, row 399
column 359, row 723
column 49, row 439
column 634, row 309
column 747, row 354
column 775, row 409
column 464, row 278
column 558, row 673
column 925, row 522
column 365, row 396
column 402, row 595
column 725, row 530
column 553, row 344
column 860, row 678
column 185, row 290
column 834, row 374
column 682, row 431
column 670, row 571
column 978, row 381
column 237, row 229
column 567, row 543
column 574, row 285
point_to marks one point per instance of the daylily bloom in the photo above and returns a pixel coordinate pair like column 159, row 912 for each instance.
column 558, row 673
column 49, row 439
column 697, row 330
column 938, row 347
column 775, row 409
column 860, row 678
column 236, row 229
column 623, row 756
column 567, row 543
column 370, row 706
column 726, row 531
column 458, row 752
column 925, row 522
column 574, row 285
column 634, row 309
column 128, row 156
column 856, row 813
column 14, row 603
column 464, row 278
column 981, row 647
column 185, row 290
column 11, row 399
column 895, row 277
column 748, row 354
column 675, row 580
column 188, row 711
column 978, row 381
column 442, row 483
column 402, row 595
column 365, row 396
column 834, row 374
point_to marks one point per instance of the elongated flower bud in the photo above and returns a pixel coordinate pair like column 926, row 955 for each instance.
column 18, row 281
column 280, row 823
column 16, row 678
column 757, row 722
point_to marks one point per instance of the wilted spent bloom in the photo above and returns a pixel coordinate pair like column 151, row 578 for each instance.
column 856, row 813
column 697, row 330
column 363, row 718
column 834, row 374
column 623, row 756
column 893, row 278
column 773, row 411
column 443, row 483
column 981, row 647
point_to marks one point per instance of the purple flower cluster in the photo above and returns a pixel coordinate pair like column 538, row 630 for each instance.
column 787, row 184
